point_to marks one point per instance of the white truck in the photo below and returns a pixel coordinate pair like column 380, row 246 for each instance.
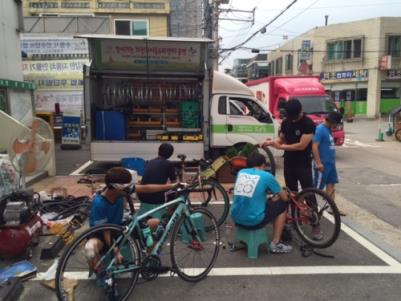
column 139, row 92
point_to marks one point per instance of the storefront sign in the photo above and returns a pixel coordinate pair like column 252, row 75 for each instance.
column 68, row 100
column 393, row 73
column 53, row 46
column 139, row 55
column 353, row 75
column 71, row 130
column 13, row 84
column 60, row 69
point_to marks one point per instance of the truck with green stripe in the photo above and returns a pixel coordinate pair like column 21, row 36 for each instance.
column 140, row 91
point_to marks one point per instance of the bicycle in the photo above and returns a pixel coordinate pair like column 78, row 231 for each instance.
column 305, row 213
column 210, row 191
column 187, row 226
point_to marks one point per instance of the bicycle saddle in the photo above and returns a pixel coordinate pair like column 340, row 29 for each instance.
column 182, row 157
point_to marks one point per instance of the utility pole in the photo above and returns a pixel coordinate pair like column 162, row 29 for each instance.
column 212, row 18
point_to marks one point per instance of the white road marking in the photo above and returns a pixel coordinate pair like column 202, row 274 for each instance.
column 275, row 271
column 78, row 171
column 348, row 143
column 367, row 244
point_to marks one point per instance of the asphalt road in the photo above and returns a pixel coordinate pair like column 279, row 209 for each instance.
column 366, row 263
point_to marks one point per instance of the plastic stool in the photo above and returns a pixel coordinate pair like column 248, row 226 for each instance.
column 253, row 239
column 197, row 219
column 145, row 207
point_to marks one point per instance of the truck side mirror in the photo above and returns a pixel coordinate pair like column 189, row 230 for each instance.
column 283, row 113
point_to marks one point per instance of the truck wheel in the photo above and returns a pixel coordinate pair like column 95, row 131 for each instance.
column 269, row 159
column 398, row 135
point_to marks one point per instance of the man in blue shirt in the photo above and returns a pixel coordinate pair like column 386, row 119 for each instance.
column 324, row 153
column 108, row 207
column 251, row 210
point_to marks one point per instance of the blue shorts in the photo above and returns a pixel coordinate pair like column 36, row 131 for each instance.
column 328, row 176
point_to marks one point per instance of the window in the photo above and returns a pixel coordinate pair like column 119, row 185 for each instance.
column 155, row 5
column 358, row 48
column 394, row 46
column 271, row 68
column 131, row 27
column 113, row 5
column 347, row 49
column 361, row 94
column 281, row 103
column 247, row 107
column 344, row 50
column 222, row 109
column 288, row 62
column 390, row 93
column 279, row 66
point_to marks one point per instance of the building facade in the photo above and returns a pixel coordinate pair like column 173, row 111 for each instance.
column 358, row 62
column 54, row 60
column 128, row 17
column 15, row 94
column 186, row 18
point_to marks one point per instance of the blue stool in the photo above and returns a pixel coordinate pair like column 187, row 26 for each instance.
column 197, row 219
column 253, row 239
column 145, row 207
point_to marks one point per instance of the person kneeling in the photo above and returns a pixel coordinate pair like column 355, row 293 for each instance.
column 250, row 208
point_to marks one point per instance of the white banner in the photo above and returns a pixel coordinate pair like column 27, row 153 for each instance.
column 53, row 46
column 70, row 101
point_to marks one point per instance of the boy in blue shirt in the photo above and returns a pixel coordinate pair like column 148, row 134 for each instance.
column 251, row 210
column 324, row 153
column 108, row 207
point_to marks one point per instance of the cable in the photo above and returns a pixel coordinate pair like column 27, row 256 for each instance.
column 263, row 28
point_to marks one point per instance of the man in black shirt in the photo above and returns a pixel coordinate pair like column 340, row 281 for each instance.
column 295, row 139
column 158, row 171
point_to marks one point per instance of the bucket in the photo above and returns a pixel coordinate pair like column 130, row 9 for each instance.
column 137, row 164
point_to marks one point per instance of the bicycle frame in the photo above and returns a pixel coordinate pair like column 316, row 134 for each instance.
column 182, row 208
column 301, row 207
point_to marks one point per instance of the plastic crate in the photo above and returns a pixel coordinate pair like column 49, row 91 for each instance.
column 137, row 164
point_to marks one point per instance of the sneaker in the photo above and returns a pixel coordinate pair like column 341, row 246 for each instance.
column 280, row 248
column 316, row 233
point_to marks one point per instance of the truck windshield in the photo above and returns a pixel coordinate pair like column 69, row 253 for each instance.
column 317, row 104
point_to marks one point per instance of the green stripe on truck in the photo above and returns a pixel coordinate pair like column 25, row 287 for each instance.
column 244, row 129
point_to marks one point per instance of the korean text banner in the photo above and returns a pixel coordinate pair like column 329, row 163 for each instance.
column 53, row 46
column 59, row 69
column 152, row 56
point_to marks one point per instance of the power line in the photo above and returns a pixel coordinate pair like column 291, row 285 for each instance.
column 261, row 30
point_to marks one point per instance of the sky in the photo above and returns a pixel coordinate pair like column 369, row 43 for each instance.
column 301, row 17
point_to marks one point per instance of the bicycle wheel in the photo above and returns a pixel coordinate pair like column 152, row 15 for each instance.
column 312, row 218
column 193, row 249
column 215, row 198
column 265, row 151
column 76, row 280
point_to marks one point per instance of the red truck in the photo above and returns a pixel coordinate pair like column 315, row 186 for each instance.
column 274, row 91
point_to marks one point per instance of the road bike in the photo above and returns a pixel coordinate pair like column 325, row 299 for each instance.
column 313, row 210
column 194, row 246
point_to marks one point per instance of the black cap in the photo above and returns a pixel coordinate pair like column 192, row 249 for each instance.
column 334, row 117
column 293, row 108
